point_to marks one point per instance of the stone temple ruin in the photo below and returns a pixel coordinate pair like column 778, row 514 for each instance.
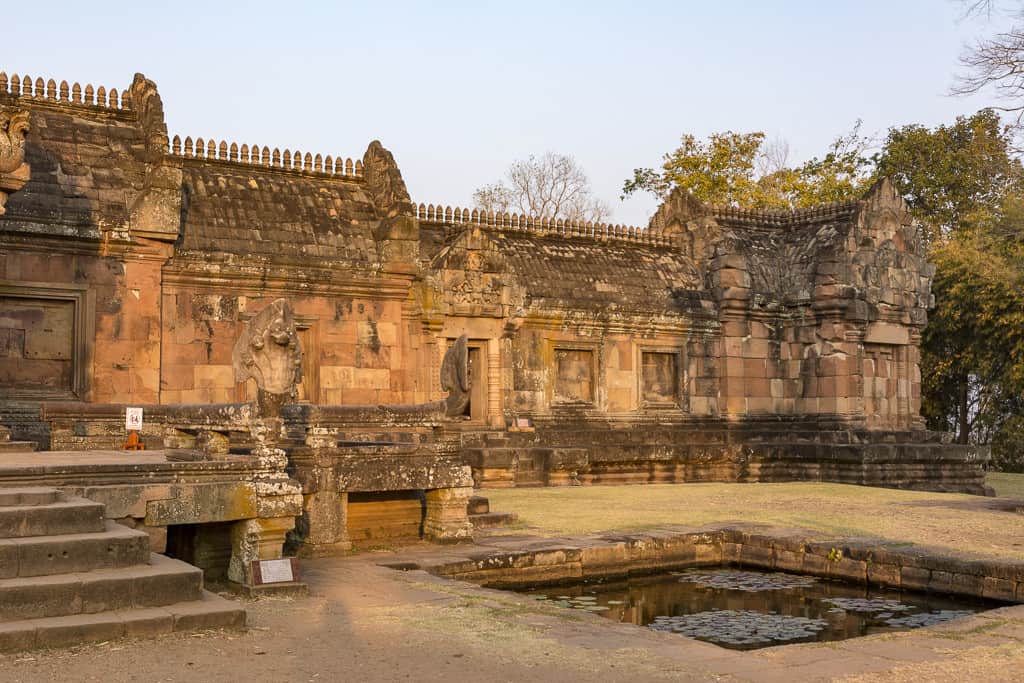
column 322, row 361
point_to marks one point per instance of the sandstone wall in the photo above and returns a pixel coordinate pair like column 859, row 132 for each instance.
column 161, row 248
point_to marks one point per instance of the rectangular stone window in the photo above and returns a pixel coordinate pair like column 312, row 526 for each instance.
column 659, row 382
column 574, row 376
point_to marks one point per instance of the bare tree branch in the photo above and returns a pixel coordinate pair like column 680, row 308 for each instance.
column 549, row 186
column 995, row 63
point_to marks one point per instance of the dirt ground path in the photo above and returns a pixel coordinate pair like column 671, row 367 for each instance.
column 363, row 622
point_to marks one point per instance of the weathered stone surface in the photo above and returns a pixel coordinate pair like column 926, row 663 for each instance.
column 14, row 172
column 203, row 503
column 455, row 377
column 268, row 351
column 716, row 344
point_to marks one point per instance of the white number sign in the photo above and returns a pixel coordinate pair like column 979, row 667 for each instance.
column 133, row 419
column 276, row 571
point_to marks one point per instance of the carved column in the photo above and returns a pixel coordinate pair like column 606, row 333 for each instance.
column 495, row 416
column 447, row 519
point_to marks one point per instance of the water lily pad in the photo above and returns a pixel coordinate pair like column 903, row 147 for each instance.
column 927, row 618
column 868, row 604
column 740, row 627
column 735, row 579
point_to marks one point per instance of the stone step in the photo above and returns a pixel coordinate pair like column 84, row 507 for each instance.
column 209, row 611
column 492, row 519
column 18, row 446
column 30, row 495
column 162, row 582
column 69, row 516
column 478, row 505
column 116, row 546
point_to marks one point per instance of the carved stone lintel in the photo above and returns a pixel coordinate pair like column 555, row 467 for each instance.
column 455, row 377
column 14, row 172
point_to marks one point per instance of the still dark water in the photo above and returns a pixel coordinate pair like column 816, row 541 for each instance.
column 746, row 609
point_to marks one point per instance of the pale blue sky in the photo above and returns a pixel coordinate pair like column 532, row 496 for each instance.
column 459, row 90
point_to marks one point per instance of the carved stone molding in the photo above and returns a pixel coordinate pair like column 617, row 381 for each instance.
column 14, row 172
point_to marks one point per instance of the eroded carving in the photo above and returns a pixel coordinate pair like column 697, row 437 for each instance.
column 268, row 352
column 14, row 172
column 455, row 377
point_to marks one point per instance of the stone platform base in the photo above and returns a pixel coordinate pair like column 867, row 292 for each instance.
column 291, row 589
column 560, row 455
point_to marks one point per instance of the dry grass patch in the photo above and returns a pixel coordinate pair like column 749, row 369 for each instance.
column 1006, row 485
column 954, row 521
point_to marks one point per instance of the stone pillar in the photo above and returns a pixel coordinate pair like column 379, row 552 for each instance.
column 447, row 520
column 326, row 514
column 495, row 416
column 256, row 539
column 278, row 502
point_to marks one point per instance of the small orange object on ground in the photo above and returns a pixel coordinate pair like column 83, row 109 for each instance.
column 133, row 443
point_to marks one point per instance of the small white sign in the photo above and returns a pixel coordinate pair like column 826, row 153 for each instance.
column 133, row 419
column 276, row 571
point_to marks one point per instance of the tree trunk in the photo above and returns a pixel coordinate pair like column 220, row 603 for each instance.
column 964, row 423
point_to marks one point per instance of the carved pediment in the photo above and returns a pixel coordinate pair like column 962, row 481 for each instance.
column 471, row 276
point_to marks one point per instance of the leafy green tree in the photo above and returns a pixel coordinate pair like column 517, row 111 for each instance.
column 966, row 188
column 741, row 169
column 953, row 177
column 720, row 170
column 973, row 346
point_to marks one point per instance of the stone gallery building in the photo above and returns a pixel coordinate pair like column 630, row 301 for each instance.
column 714, row 344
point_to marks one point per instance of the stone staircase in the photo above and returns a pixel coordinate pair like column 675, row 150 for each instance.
column 503, row 460
column 69, row 576
column 8, row 446
column 481, row 517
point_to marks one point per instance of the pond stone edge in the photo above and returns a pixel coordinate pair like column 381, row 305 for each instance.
column 620, row 555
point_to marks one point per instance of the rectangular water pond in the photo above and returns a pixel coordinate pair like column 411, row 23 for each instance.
column 745, row 609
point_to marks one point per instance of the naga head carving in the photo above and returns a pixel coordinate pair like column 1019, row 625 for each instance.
column 14, row 172
column 13, row 130
column 455, row 377
column 268, row 351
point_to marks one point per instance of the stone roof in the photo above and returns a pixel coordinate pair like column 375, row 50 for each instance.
column 85, row 171
column 573, row 272
column 248, row 210
column 576, row 272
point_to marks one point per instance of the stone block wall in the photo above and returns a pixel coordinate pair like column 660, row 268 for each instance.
column 164, row 247
column 67, row 235
column 354, row 351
